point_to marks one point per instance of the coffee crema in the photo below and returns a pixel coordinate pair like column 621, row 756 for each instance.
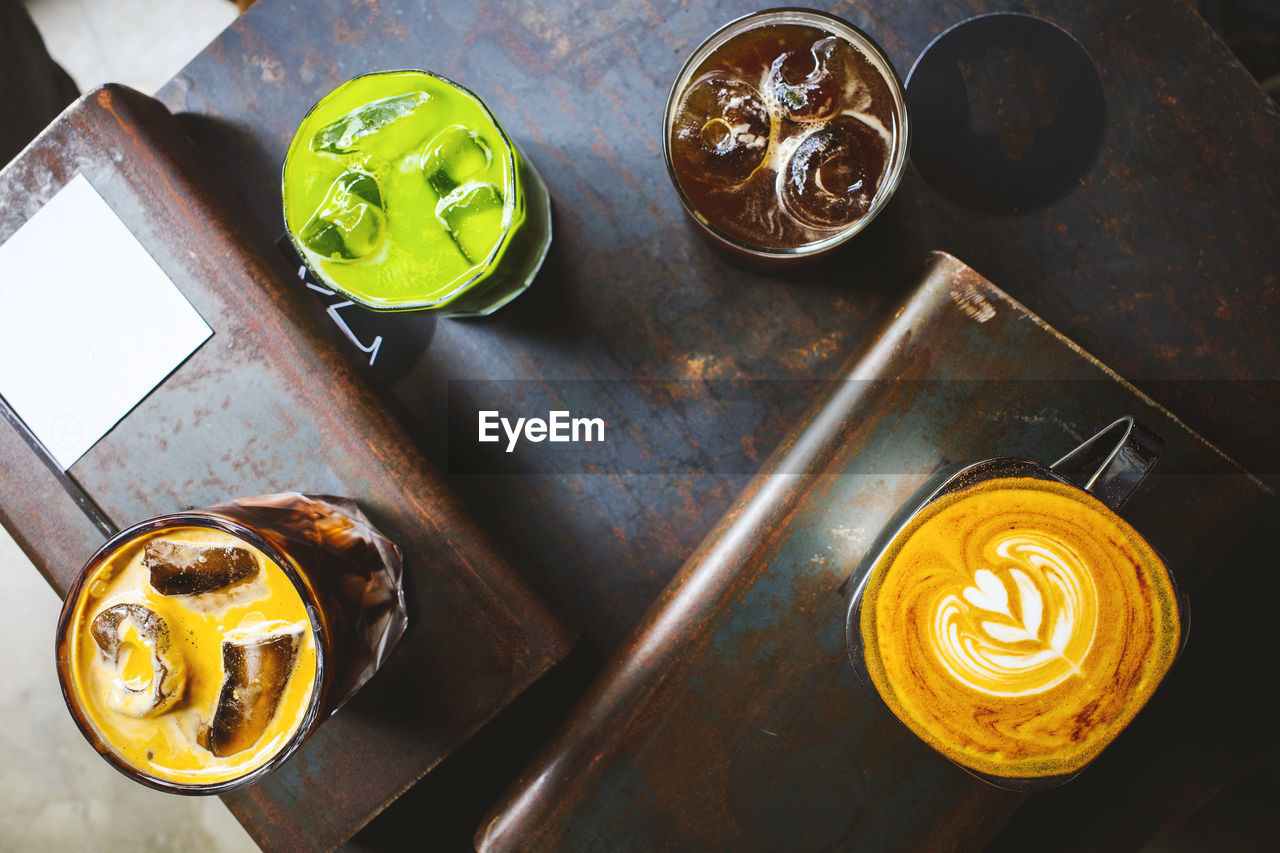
column 1018, row 625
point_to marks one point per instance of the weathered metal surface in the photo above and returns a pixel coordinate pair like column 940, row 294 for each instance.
column 732, row 718
column 272, row 403
column 1162, row 262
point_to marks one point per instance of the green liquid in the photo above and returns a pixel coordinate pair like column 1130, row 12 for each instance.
column 402, row 192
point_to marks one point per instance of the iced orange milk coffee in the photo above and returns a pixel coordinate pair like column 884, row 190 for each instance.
column 191, row 656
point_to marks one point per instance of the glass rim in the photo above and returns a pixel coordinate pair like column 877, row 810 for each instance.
column 898, row 155
column 513, row 159
column 208, row 518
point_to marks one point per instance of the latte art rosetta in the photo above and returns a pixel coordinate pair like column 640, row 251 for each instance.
column 1017, row 625
column 1024, row 627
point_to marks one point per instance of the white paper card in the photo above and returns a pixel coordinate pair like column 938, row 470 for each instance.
column 89, row 323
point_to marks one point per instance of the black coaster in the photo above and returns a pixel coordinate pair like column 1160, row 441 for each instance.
column 1007, row 113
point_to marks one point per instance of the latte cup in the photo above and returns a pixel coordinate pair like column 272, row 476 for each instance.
column 1009, row 616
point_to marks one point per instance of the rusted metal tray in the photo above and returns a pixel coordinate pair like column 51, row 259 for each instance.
column 731, row 719
column 271, row 403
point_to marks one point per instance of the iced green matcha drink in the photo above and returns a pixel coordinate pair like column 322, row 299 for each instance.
column 402, row 192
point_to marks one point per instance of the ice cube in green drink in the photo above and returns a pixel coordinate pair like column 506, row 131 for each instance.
column 454, row 155
column 356, row 130
column 350, row 222
column 472, row 213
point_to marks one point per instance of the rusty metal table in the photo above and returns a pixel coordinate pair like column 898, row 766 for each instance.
column 731, row 718
column 1162, row 263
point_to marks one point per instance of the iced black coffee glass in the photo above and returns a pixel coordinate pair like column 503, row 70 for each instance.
column 785, row 134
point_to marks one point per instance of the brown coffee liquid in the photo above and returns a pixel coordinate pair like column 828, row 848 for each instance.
column 783, row 135
column 1017, row 626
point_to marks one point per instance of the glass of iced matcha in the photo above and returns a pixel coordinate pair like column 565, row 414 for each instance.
column 402, row 192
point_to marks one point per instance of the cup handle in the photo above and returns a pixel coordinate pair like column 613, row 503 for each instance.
column 1114, row 462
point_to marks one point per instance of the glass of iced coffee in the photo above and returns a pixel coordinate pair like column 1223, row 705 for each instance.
column 785, row 134
column 198, row 650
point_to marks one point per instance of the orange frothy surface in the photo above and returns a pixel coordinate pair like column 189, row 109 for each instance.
column 1018, row 625
column 153, row 701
